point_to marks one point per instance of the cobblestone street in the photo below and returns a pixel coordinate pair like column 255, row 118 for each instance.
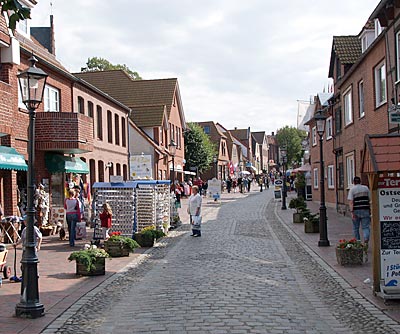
column 248, row 273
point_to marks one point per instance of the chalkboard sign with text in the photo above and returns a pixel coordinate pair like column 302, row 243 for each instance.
column 390, row 234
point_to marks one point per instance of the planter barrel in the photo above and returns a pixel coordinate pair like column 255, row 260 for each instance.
column 100, row 268
column 310, row 227
column 350, row 256
column 144, row 241
column 116, row 249
column 297, row 218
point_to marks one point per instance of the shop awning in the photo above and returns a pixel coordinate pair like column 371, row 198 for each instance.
column 57, row 163
column 11, row 159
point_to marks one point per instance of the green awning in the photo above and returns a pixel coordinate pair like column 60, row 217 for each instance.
column 57, row 163
column 11, row 159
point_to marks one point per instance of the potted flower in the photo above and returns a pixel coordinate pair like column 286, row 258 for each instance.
column 311, row 221
column 147, row 235
column 90, row 261
column 350, row 252
column 118, row 245
column 300, row 205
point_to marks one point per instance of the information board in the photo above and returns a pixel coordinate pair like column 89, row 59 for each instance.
column 141, row 167
column 214, row 188
column 389, row 218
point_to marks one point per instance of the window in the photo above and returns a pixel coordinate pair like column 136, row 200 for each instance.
column 380, row 84
column 347, row 105
column 178, row 134
column 125, row 172
column 207, row 129
column 316, row 178
column 331, row 184
column 118, row 169
column 109, row 126
column 328, row 126
column 51, row 99
column 314, row 135
column 81, row 105
column 361, row 99
column 340, row 172
column 90, row 109
column 20, row 103
column 378, row 27
column 116, row 124
column 364, row 43
column 101, row 171
column 99, row 112
column 338, row 69
column 350, row 169
column 338, row 120
column 22, row 27
column 123, row 132
column 398, row 55
column 92, row 168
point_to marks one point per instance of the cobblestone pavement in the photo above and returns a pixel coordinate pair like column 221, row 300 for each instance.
column 246, row 274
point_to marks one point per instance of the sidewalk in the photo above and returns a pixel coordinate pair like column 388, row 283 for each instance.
column 340, row 227
column 59, row 287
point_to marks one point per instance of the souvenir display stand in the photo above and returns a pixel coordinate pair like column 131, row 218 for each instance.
column 135, row 204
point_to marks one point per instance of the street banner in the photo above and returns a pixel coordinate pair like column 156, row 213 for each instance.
column 389, row 220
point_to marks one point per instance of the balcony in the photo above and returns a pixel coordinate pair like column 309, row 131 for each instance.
column 64, row 132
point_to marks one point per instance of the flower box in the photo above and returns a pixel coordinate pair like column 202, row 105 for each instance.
column 350, row 256
column 311, row 226
column 116, row 248
column 98, row 269
column 144, row 240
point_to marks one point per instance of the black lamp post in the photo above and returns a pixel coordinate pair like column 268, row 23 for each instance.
column 31, row 82
column 172, row 152
column 320, row 119
column 284, row 159
column 215, row 166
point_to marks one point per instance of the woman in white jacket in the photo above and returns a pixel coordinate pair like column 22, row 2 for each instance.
column 194, row 210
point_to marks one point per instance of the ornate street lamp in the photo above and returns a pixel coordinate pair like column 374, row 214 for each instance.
column 31, row 82
column 215, row 164
column 284, row 159
column 172, row 152
column 320, row 119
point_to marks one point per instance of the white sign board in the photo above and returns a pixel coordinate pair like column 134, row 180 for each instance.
column 214, row 188
column 141, row 167
column 394, row 117
column 389, row 219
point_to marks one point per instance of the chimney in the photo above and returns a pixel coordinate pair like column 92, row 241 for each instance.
column 272, row 133
column 235, row 127
column 52, row 40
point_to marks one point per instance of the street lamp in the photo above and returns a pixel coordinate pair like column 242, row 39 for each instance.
column 284, row 159
column 172, row 152
column 215, row 166
column 31, row 82
column 320, row 119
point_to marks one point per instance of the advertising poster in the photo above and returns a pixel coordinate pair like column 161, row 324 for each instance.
column 214, row 188
column 141, row 167
column 389, row 219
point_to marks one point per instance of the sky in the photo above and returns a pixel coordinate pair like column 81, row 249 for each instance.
column 239, row 63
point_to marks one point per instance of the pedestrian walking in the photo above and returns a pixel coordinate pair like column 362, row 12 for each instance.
column 105, row 219
column 359, row 197
column 229, row 184
column 71, row 206
column 194, row 210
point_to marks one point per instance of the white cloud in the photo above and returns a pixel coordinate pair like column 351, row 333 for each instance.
column 240, row 63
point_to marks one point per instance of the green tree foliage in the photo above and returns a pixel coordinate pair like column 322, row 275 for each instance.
column 101, row 64
column 199, row 150
column 291, row 138
column 17, row 12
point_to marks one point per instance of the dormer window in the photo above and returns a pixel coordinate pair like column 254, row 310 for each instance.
column 364, row 43
column 378, row 28
column 23, row 27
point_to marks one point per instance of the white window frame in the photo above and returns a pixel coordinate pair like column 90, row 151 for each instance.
column 331, row 175
column 24, row 27
column 316, row 178
column 350, row 169
column 347, row 107
column 361, row 105
column 398, row 55
column 329, row 128
column 21, row 105
column 49, row 104
column 380, row 84
column 377, row 28
column 314, row 135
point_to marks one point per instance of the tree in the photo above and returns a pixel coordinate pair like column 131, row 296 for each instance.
column 101, row 64
column 290, row 138
column 18, row 11
column 199, row 150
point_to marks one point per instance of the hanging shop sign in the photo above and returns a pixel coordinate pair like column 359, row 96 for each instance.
column 389, row 220
column 141, row 167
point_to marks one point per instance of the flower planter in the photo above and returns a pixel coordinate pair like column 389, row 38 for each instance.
column 297, row 218
column 99, row 270
column 310, row 227
column 350, row 256
column 116, row 249
column 144, row 241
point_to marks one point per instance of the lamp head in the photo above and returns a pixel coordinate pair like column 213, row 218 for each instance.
column 320, row 119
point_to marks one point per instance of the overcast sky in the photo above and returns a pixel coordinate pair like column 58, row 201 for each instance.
column 239, row 62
